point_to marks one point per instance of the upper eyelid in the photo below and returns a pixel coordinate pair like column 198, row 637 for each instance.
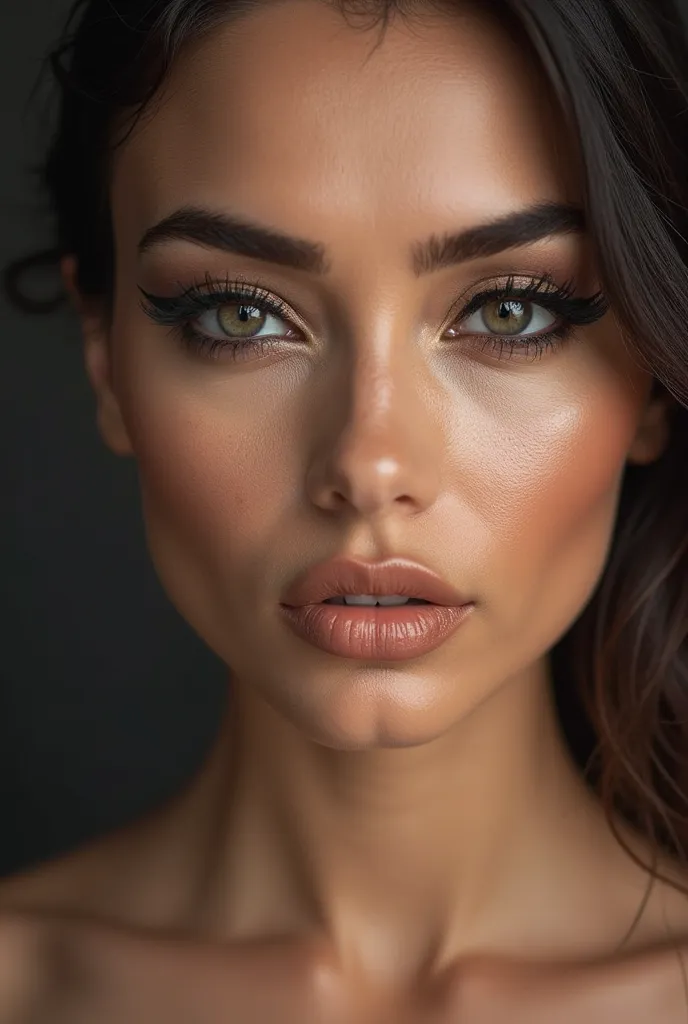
column 253, row 292
column 250, row 291
column 496, row 287
column 203, row 298
column 212, row 293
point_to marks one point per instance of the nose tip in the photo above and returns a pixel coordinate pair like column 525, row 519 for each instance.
column 373, row 478
column 369, row 488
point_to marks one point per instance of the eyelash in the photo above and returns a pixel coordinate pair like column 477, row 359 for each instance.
column 180, row 312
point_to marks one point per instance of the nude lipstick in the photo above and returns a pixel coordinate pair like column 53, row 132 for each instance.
column 331, row 607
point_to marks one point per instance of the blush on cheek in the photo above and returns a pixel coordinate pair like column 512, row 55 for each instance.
column 219, row 475
column 203, row 527
column 202, row 492
column 560, row 544
column 208, row 496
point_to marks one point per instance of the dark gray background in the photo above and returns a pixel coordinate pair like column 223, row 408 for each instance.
column 108, row 700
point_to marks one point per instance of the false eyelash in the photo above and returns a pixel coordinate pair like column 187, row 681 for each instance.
column 573, row 312
column 198, row 298
column 553, row 297
column 181, row 310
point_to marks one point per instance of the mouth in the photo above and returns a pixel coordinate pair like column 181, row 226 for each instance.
column 345, row 581
column 369, row 629
column 372, row 601
column 379, row 612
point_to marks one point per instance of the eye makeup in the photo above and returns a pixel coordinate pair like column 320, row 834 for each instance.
column 198, row 315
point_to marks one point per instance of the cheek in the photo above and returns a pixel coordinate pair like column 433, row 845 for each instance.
column 554, row 499
column 217, row 478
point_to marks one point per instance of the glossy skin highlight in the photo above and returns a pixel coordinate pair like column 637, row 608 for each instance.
column 408, row 817
column 371, row 438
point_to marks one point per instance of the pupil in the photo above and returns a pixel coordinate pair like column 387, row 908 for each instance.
column 240, row 320
column 508, row 309
column 507, row 316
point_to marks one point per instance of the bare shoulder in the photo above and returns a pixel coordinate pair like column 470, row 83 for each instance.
column 65, row 886
column 118, row 876
column 32, row 903
column 64, row 924
column 642, row 981
column 47, row 887
column 22, row 940
column 646, row 984
column 646, row 988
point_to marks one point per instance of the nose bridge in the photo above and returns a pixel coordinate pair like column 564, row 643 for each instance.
column 380, row 448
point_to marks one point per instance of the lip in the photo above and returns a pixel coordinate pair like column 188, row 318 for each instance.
column 339, row 577
column 392, row 633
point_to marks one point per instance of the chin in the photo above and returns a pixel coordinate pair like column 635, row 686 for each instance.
column 367, row 707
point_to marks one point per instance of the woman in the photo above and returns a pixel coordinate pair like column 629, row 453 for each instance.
column 388, row 303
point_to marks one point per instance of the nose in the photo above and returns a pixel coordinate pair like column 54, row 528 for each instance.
column 378, row 449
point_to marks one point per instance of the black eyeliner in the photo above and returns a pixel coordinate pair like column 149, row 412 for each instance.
column 193, row 301
column 546, row 293
column 181, row 310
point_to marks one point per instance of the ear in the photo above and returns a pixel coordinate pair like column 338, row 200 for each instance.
column 654, row 430
column 97, row 357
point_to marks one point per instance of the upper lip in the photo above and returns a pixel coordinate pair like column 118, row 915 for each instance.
column 342, row 576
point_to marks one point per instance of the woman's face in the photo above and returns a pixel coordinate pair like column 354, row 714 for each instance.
column 376, row 422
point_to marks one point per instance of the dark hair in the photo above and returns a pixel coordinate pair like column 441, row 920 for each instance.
column 620, row 71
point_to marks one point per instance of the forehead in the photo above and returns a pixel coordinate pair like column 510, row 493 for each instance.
column 292, row 114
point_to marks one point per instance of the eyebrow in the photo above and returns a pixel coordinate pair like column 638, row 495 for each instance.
column 217, row 230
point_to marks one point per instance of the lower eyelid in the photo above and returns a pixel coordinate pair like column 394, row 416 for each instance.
column 212, row 312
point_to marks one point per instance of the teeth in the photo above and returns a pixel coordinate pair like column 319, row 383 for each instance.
column 371, row 599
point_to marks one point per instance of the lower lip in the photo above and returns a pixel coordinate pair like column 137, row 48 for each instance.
column 376, row 633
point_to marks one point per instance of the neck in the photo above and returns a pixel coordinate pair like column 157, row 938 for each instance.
column 479, row 840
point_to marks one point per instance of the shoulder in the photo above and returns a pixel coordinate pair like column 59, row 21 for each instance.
column 119, row 877
column 32, row 904
column 643, row 980
column 51, row 887
column 645, row 988
column 22, row 960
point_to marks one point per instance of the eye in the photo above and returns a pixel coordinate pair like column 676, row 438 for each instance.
column 506, row 317
column 237, row 320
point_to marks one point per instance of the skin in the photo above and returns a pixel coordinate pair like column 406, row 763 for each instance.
column 403, row 829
